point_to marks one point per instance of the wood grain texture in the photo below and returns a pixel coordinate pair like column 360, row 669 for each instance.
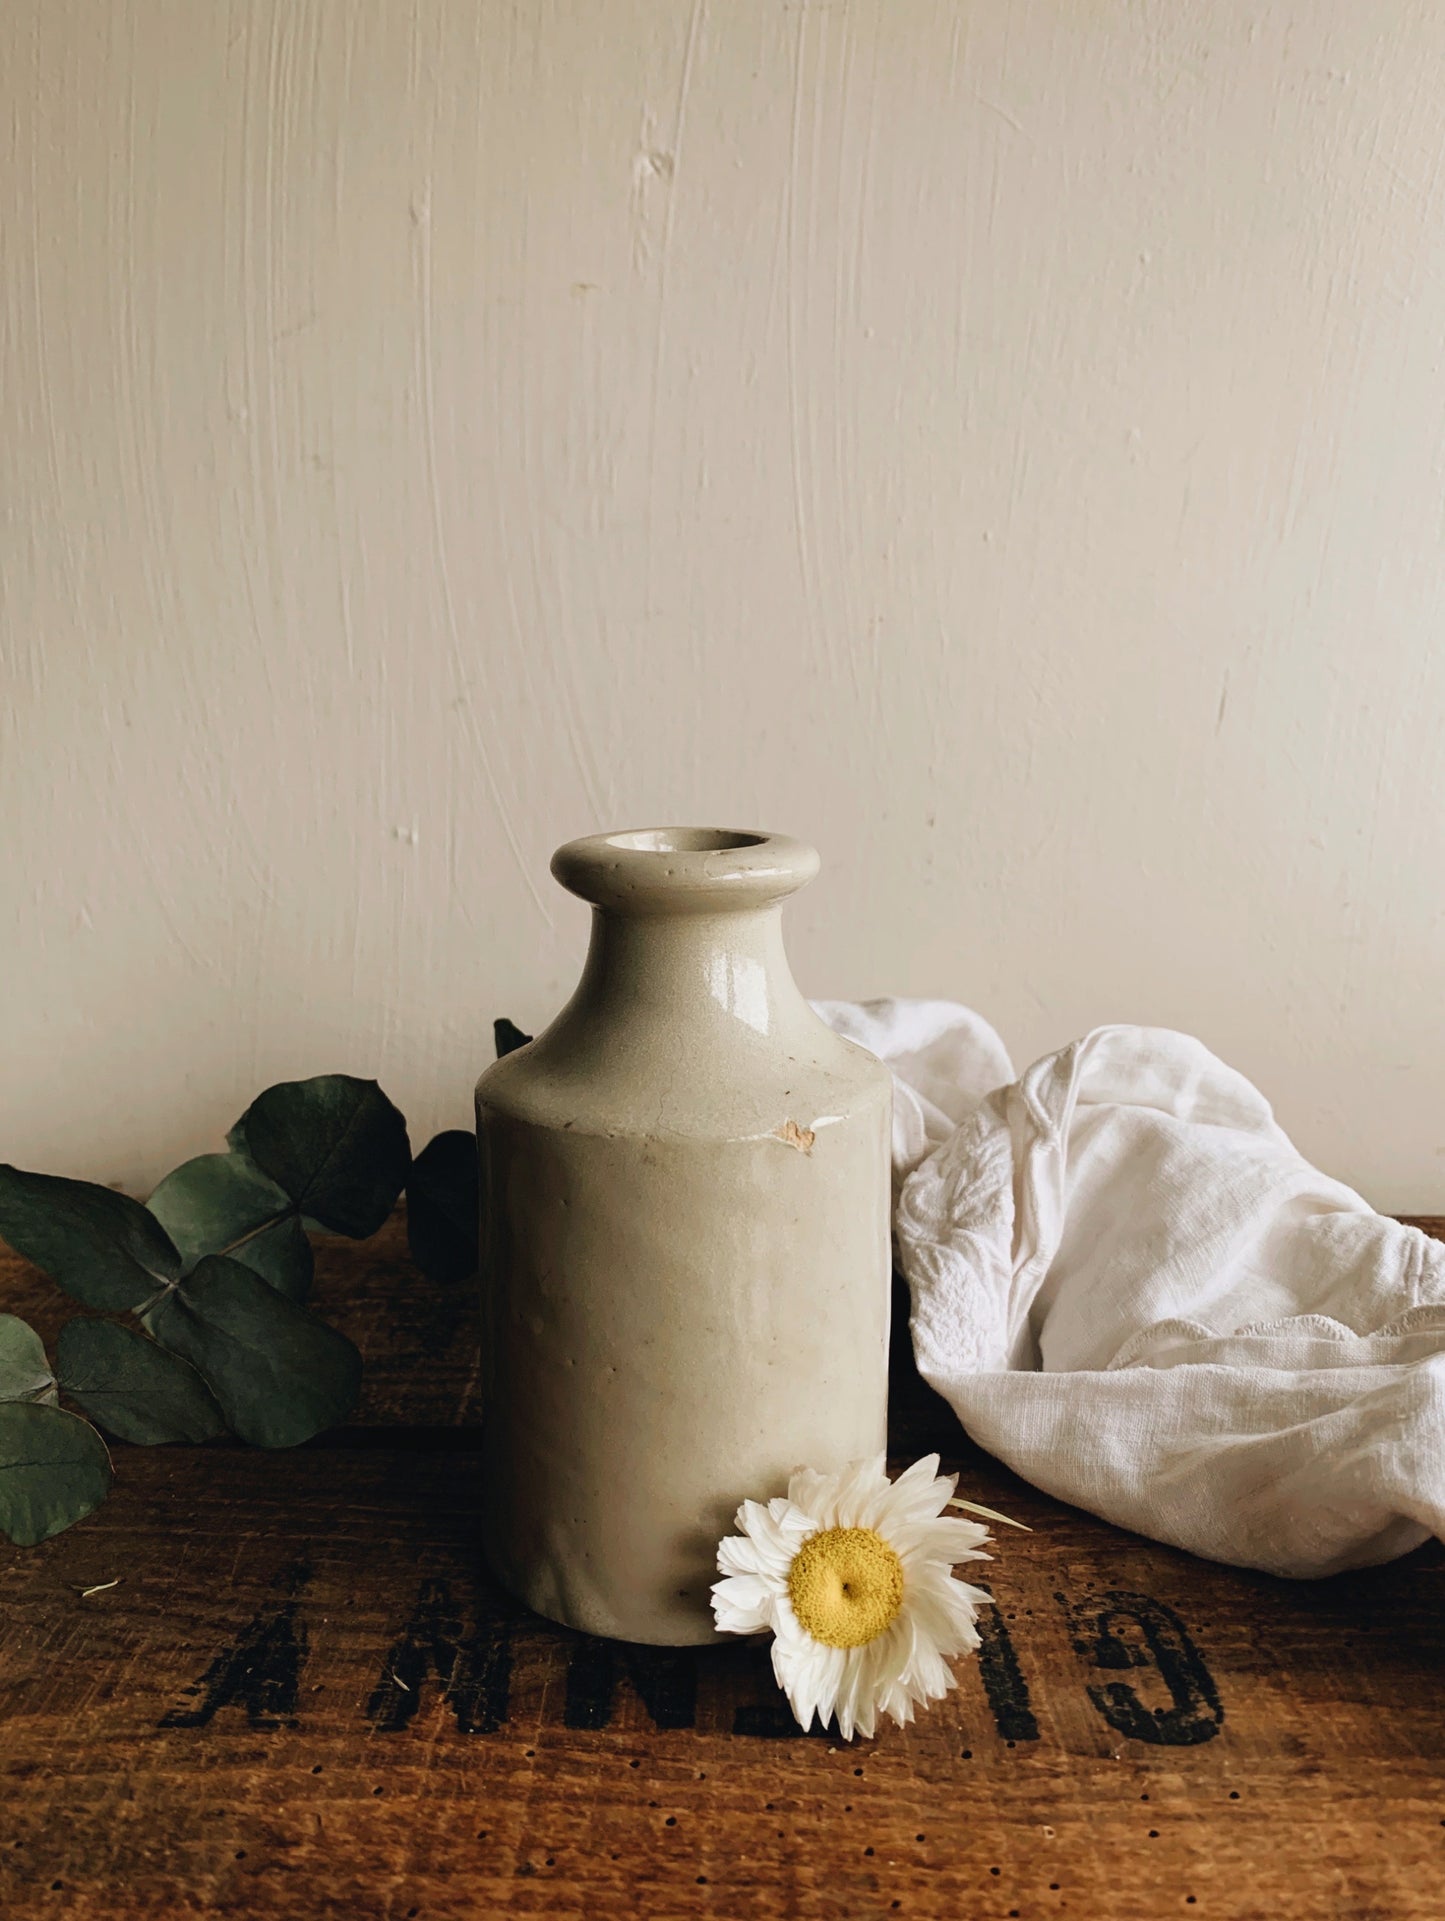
column 306, row 1698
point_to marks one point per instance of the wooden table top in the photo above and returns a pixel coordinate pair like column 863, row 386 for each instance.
column 304, row 1697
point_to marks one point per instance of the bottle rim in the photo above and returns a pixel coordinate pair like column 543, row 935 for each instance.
column 684, row 869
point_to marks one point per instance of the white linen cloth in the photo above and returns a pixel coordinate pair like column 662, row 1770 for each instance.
column 1134, row 1291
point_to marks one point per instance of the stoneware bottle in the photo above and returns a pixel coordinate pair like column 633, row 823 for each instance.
column 685, row 1192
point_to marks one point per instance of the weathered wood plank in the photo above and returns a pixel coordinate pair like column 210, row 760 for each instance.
column 306, row 1698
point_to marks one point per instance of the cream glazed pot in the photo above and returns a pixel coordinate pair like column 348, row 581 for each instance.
column 685, row 1194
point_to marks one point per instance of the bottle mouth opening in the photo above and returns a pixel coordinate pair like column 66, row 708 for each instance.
column 683, row 840
column 682, row 870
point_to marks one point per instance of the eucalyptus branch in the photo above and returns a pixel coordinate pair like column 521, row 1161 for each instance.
column 292, row 1213
column 216, row 1266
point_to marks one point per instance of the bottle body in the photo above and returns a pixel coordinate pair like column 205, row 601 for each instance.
column 686, row 1257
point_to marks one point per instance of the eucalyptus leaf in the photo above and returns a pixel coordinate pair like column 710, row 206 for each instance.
column 441, row 1206
column 508, row 1036
column 279, row 1374
column 53, row 1470
column 135, row 1389
column 24, row 1371
column 208, row 1204
column 101, row 1247
column 335, row 1144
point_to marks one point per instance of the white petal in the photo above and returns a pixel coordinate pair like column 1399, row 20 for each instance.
column 951, row 1541
column 810, row 1675
column 918, row 1541
column 777, row 1540
column 921, row 1475
column 811, row 1491
column 742, row 1604
column 863, row 1478
column 920, row 1492
column 858, row 1700
column 738, row 1554
column 942, row 1616
column 789, row 1628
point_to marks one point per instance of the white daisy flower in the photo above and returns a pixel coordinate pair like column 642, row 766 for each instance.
column 854, row 1575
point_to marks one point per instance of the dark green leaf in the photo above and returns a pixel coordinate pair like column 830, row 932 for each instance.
column 53, row 1470
column 101, row 1247
column 508, row 1037
column 335, row 1144
column 209, row 1203
column 441, row 1206
column 279, row 1374
column 135, row 1389
column 24, row 1371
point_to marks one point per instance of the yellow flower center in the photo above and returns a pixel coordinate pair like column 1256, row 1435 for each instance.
column 846, row 1586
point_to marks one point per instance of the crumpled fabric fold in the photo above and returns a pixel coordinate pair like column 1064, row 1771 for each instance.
column 1134, row 1291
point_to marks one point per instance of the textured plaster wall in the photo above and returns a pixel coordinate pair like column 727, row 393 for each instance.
column 1001, row 442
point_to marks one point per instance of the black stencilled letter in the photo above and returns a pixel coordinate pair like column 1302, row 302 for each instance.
column 475, row 1670
column 260, row 1671
column 1196, row 1711
column 1003, row 1679
column 666, row 1678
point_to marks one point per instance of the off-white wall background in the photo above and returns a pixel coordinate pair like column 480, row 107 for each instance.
column 1001, row 442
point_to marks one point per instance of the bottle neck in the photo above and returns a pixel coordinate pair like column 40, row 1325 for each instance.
column 725, row 973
